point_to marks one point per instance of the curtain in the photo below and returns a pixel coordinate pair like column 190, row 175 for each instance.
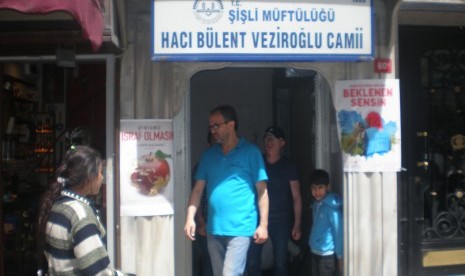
column 147, row 245
column 88, row 13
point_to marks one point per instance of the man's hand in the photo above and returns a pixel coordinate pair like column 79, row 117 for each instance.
column 194, row 202
column 296, row 233
column 189, row 229
column 261, row 235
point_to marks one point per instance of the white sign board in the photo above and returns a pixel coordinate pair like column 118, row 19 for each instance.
column 146, row 167
column 298, row 30
column 368, row 116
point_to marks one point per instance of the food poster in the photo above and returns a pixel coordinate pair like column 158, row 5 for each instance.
column 368, row 119
column 146, row 167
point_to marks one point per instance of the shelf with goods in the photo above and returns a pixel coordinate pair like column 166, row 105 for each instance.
column 44, row 146
column 19, row 104
column 21, row 183
column 19, row 234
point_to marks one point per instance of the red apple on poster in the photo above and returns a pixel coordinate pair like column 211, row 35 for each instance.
column 152, row 173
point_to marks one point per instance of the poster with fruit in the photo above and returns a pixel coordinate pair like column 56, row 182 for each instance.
column 146, row 167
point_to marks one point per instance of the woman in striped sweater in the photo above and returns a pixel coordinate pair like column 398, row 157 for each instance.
column 71, row 233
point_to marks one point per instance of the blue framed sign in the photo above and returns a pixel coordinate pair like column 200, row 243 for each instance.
column 268, row 30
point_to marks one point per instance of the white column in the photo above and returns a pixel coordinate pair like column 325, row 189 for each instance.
column 370, row 224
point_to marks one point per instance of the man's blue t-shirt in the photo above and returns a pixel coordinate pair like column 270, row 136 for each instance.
column 231, row 191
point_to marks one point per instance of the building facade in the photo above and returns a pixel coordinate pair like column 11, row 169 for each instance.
column 396, row 223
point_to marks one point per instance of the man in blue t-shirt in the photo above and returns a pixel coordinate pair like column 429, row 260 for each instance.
column 234, row 174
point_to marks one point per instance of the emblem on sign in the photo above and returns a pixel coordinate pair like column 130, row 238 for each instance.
column 208, row 11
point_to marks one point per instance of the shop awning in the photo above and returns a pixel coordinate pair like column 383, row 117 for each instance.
column 88, row 13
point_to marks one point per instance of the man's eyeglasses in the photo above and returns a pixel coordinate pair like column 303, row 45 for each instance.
column 215, row 127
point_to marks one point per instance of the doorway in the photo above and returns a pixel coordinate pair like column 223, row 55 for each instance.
column 286, row 97
column 45, row 109
column 431, row 195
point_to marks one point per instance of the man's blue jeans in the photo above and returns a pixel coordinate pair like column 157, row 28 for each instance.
column 228, row 254
column 279, row 233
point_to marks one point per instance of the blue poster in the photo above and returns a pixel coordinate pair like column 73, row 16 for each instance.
column 368, row 117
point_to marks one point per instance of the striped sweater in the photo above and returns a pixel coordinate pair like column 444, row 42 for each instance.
column 73, row 242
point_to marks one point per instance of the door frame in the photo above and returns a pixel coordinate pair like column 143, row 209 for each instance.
column 413, row 42
column 111, row 152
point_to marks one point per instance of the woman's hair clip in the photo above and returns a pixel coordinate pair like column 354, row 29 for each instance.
column 62, row 181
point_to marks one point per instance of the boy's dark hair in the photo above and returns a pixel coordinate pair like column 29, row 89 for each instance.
column 229, row 114
column 319, row 177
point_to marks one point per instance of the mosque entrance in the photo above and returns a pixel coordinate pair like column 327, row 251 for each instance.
column 263, row 97
column 432, row 190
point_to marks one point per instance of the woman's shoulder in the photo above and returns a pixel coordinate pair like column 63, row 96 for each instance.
column 72, row 208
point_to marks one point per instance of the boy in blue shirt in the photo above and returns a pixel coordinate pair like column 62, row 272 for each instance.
column 326, row 235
